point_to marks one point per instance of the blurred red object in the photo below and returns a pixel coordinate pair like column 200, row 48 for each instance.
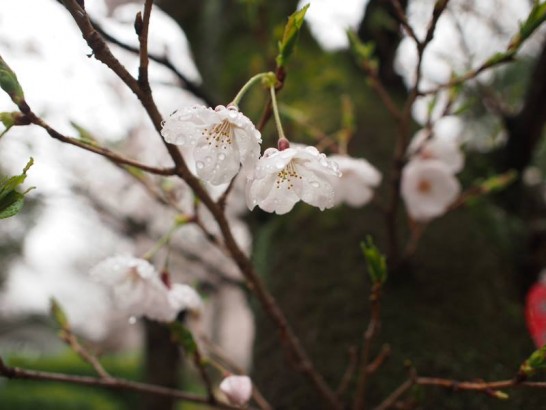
column 535, row 313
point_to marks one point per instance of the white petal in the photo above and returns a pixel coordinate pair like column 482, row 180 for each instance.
column 316, row 189
column 428, row 188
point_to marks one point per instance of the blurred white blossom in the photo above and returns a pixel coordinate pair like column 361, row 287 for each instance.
column 219, row 140
column 359, row 177
column 428, row 188
column 282, row 178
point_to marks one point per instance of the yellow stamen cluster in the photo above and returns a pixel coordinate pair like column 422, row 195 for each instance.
column 286, row 175
column 219, row 134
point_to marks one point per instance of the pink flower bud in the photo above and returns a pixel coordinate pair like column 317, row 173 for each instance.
column 283, row 144
column 238, row 389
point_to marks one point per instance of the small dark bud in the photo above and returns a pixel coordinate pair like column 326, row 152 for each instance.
column 139, row 24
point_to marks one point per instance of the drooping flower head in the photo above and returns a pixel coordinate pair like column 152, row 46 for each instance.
column 219, row 140
column 282, row 178
column 428, row 188
column 359, row 177
column 238, row 389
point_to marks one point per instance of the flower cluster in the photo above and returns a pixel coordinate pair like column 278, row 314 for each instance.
column 429, row 185
column 222, row 142
column 138, row 290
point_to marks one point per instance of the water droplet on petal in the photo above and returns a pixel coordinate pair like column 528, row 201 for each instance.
column 279, row 164
column 221, row 157
column 208, row 159
column 132, row 320
column 315, row 184
column 200, row 165
column 323, row 162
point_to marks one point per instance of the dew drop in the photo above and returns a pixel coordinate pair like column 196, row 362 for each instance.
column 279, row 164
column 200, row 165
column 221, row 157
column 208, row 159
column 315, row 184
column 132, row 320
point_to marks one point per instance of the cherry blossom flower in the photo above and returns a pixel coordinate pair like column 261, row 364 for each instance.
column 284, row 177
column 219, row 140
column 184, row 297
column 428, row 188
column 359, row 177
column 238, row 389
column 446, row 150
column 136, row 286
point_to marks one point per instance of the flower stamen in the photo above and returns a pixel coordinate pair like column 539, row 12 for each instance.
column 219, row 134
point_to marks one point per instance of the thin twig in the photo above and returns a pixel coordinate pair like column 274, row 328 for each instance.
column 110, row 383
column 368, row 338
column 142, row 23
column 395, row 395
column 349, row 372
column 69, row 338
column 198, row 361
column 400, row 14
column 164, row 61
column 379, row 360
column 105, row 152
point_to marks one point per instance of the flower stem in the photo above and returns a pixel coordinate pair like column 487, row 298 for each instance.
column 247, row 86
column 276, row 112
column 164, row 240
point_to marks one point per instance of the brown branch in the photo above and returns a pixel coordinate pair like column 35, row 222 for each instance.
column 164, row 61
column 379, row 360
column 110, row 383
column 395, row 395
column 142, row 24
column 102, row 53
column 105, row 152
column 400, row 15
column 482, row 386
column 368, row 338
column 198, row 361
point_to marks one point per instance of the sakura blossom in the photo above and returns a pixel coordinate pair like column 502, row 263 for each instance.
column 282, row 178
column 438, row 144
column 359, row 177
column 428, row 188
column 220, row 140
column 238, row 389
column 184, row 297
column 136, row 287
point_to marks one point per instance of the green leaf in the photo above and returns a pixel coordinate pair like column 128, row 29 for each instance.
column 364, row 52
column 84, row 134
column 9, row 83
column 58, row 314
column 290, row 36
column 11, row 201
column 535, row 362
column 536, row 17
column 499, row 182
column 11, row 204
column 181, row 335
column 376, row 262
